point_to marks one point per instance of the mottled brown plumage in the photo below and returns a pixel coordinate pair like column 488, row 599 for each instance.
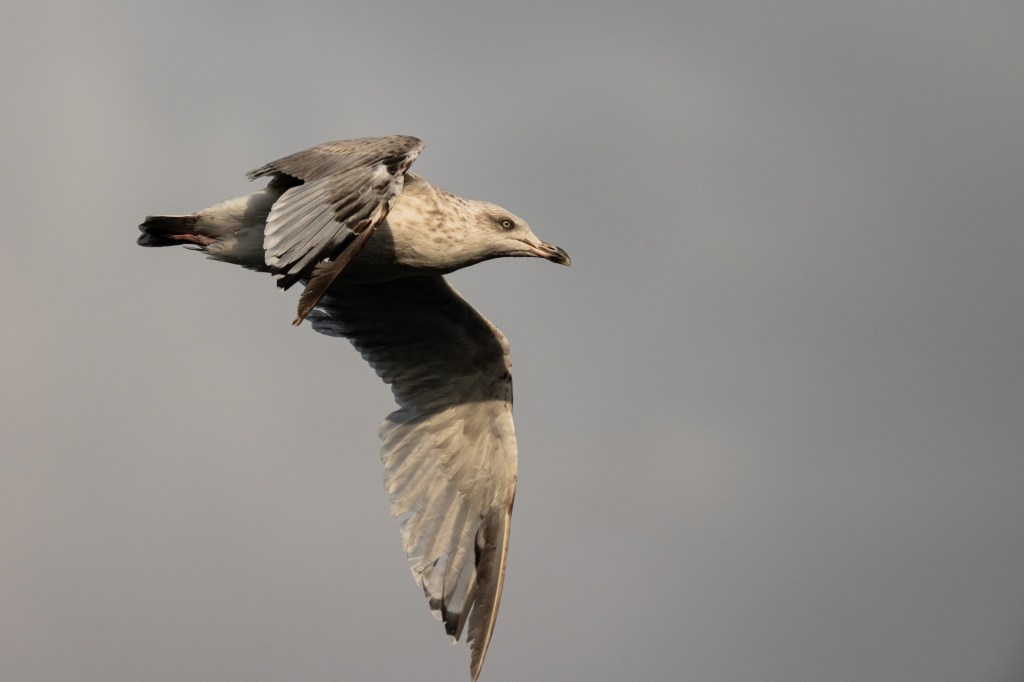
column 370, row 241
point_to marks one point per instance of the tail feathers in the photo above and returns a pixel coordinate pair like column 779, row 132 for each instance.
column 171, row 230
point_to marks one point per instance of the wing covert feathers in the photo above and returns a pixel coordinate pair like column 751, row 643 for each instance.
column 338, row 192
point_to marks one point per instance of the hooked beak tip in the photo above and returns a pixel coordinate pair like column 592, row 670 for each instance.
column 555, row 254
column 561, row 257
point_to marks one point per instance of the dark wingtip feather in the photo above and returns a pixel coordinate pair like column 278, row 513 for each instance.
column 324, row 273
column 491, row 556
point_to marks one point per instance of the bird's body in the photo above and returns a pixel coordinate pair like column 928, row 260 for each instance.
column 370, row 241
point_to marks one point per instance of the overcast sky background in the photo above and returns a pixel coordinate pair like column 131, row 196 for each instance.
column 771, row 422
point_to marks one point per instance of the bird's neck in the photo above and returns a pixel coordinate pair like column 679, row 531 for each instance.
column 425, row 226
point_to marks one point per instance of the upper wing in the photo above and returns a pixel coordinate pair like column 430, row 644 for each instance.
column 449, row 452
column 338, row 193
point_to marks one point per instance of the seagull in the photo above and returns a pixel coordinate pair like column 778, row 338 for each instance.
column 370, row 242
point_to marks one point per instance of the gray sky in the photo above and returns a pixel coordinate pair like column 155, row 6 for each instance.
column 770, row 422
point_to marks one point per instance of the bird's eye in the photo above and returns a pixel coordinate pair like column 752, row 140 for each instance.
column 507, row 224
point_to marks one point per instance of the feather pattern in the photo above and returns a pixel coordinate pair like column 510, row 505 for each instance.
column 338, row 190
column 449, row 451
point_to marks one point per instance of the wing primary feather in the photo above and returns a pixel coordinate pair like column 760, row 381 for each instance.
column 490, row 575
column 324, row 274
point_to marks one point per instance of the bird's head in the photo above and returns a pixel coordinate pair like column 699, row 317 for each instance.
column 433, row 229
column 499, row 233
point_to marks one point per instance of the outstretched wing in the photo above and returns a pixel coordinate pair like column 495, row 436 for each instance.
column 338, row 193
column 449, row 451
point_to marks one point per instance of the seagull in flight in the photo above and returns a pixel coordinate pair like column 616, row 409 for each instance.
column 370, row 242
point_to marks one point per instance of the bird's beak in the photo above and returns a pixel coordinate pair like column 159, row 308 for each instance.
column 555, row 254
